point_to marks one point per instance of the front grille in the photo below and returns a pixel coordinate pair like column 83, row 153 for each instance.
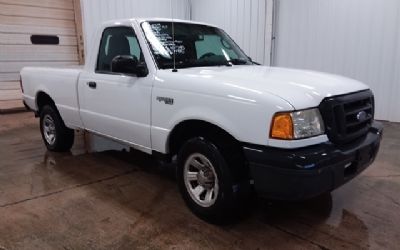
column 348, row 117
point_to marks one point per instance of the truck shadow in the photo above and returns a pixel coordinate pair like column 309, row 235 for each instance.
column 147, row 189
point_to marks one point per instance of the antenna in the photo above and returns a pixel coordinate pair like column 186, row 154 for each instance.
column 173, row 38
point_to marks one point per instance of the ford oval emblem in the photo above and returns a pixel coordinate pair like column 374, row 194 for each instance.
column 361, row 116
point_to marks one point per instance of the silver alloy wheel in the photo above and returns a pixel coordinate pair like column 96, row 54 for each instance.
column 201, row 180
column 49, row 129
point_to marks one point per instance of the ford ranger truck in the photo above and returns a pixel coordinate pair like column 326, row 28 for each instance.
column 184, row 91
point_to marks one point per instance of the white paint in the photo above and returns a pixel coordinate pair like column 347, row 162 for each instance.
column 126, row 109
column 58, row 86
column 248, row 22
column 95, row 12
column 356, row 38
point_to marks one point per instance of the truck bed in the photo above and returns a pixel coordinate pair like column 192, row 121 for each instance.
column 59, row 83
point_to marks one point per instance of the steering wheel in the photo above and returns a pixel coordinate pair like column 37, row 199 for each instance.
column 207, row 55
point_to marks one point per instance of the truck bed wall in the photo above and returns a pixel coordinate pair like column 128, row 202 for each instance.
column 60, row 84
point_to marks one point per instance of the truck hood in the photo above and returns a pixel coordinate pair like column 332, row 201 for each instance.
column 301, row 88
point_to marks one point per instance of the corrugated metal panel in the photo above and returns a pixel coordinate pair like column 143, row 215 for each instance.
column 248, row 22
column 97, row 11
column 355, row 38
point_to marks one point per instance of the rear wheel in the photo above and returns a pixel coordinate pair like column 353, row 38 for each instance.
column 206, row 182
column 56, row 136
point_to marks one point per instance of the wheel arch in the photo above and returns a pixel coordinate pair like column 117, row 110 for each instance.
column 230, row 148
column 42, row 98
column 187, row 129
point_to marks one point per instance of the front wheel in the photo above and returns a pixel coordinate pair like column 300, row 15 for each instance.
column 56, row 136
column 206, row 182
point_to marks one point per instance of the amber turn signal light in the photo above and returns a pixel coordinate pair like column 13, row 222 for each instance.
column 282, row 126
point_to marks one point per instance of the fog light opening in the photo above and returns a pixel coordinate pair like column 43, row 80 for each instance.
column 350, row 169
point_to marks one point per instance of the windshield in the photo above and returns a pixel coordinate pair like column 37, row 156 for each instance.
column 195, row 45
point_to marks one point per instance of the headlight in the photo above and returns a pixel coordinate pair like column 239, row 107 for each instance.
column 297, row 124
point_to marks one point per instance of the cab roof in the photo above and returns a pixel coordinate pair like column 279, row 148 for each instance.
column 129, row 21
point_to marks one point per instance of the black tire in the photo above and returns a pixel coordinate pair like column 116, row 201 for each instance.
column 63, row 136
column 228, row 202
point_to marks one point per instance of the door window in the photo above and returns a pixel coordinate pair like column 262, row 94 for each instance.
column 117, row 41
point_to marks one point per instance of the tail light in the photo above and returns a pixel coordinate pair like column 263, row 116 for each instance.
column 20, row 83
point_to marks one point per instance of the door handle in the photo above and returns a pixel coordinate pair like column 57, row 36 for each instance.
column 92, row 85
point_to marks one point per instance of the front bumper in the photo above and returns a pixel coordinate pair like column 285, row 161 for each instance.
column 298, row 174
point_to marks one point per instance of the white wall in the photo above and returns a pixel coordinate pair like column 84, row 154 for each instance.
column 248, row 22
column 97, row 11
column 355, row 38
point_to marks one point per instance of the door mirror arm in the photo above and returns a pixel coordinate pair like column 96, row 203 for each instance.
column 142, row 70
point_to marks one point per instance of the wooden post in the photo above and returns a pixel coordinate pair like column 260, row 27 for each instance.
column 79, row 31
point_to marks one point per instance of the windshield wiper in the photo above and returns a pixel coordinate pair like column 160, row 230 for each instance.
column 190, row 64
column 236, row 61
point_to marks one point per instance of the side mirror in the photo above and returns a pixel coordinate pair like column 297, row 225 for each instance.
column 127, row 64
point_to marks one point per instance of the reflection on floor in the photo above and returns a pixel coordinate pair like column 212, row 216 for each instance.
column 126, row 200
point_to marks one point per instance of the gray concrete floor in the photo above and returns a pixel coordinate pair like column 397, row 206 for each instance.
column 116, row 200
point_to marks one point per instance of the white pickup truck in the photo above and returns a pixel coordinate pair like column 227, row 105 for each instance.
column 184, row 91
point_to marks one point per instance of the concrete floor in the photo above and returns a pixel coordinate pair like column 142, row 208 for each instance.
column 117, row 200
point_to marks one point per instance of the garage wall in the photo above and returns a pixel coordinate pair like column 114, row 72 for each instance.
column 355, row 38
column 97, row 11
column 248, row 22
column 19, row 19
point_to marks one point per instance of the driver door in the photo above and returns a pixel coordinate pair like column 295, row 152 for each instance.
column 114, row 104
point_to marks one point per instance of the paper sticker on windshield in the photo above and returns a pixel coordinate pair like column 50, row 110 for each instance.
column 163, row 33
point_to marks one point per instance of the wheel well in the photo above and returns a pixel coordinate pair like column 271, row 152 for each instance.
column 193, row 128
column 229, row 146
column 43, row 99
